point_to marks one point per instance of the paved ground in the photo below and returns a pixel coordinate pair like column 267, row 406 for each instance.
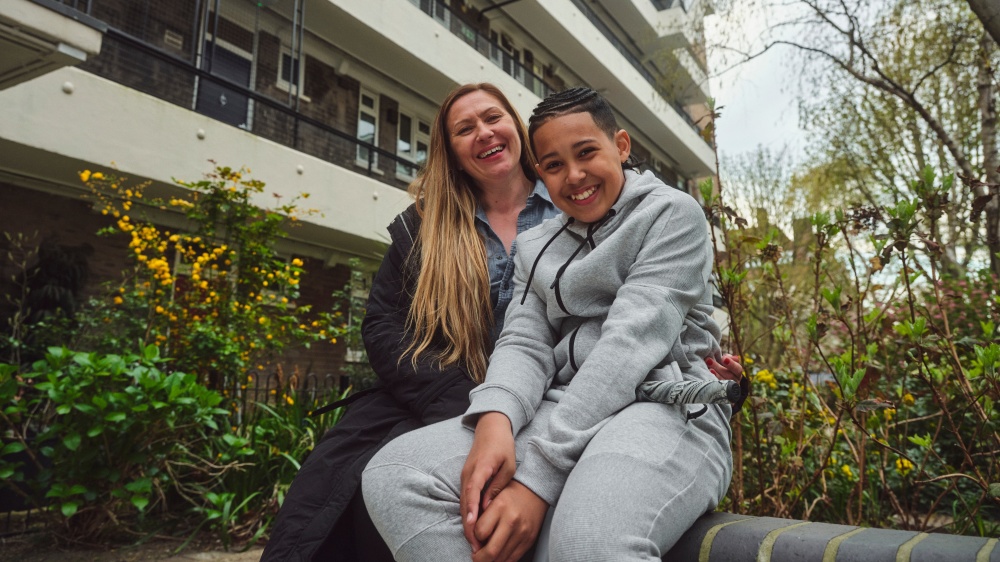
column 252, row 555
column 21, row 549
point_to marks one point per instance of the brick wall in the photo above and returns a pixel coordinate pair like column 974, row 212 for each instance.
column 67, row 222
column 318, row 285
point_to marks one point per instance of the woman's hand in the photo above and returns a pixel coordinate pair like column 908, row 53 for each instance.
column 488, row 468
column 510, row 526
column 729, row 370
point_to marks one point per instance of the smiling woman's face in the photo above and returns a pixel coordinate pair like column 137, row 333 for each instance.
column 483, row 137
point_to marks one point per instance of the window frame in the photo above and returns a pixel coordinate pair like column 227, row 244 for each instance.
column 373, row 112
column 284, row 85
column 416, row 136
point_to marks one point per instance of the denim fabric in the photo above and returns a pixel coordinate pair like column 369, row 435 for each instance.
column 501, row 265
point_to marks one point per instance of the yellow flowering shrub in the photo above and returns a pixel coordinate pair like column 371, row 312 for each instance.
column 216, row 298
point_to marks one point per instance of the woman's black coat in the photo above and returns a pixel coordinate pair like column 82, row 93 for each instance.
column 409, row 398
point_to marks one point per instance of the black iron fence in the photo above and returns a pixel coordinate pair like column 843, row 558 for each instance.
column 275, row 388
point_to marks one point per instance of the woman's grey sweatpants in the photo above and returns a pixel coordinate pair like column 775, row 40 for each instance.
column 646, row 476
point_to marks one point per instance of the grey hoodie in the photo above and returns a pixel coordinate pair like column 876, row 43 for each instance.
column 607, row 305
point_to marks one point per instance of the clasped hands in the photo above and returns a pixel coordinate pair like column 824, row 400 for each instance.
column 500, row 516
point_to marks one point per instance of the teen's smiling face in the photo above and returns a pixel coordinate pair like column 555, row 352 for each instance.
column 483, row 138
column 580, row 165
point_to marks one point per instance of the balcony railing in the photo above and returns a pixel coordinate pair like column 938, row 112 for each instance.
column 134, row 63
column 489, row 49
column 633, row 60
column 82, row 6
column 667, row 4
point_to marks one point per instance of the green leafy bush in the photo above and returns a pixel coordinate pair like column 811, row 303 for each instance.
column 109, row 435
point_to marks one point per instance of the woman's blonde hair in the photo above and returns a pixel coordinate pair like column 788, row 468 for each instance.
column 451, row 315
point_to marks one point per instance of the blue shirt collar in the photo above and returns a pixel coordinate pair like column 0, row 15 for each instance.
column 539, row 192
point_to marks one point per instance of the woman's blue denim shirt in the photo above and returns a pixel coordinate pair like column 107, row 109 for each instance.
column 501, row 265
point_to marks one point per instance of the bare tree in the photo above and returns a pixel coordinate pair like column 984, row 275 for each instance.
column 922, row 62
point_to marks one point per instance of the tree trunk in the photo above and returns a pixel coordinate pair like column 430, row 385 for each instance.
column 988, row 135
column 988, row 12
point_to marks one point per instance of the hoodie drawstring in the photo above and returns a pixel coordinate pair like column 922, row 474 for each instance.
column 531, row 275
column 589, row 238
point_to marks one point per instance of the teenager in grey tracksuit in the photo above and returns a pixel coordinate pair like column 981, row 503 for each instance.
column 599, row 308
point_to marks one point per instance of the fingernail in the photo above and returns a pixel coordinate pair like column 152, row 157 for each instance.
column 468, row 518
column 725, row 360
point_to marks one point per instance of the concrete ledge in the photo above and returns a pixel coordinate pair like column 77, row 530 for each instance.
column 725, row 537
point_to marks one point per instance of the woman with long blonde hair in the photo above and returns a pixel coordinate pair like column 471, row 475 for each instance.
column 435, row 309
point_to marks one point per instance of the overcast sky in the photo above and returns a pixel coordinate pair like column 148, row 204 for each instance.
column 758, row 97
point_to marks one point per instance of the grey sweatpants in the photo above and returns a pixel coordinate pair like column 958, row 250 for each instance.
column 646, row 476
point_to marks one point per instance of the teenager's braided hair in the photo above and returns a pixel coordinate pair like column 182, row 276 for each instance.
column 577, row 100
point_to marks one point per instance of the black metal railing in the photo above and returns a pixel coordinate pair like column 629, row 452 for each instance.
column 132, row 62
column 667, row 4
column 82, row 6
column 309, row 391
column 633, row 60
column 486, row 47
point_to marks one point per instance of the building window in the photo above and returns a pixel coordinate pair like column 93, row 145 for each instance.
column 412, row 140
column 367, row 126
column 291, row 73
column 215, row 98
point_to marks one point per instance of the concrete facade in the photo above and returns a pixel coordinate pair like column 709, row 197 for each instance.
column 328, row 97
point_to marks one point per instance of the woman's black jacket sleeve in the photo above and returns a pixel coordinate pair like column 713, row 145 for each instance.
column 429, row 392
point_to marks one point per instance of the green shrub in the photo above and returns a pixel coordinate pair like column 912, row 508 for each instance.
column 109, row 435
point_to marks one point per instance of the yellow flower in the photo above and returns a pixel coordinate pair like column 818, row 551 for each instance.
column 289, row 400
column 846, row 470
column 888, row 413
column 747, row 360
column 297, row 262
column 903, row 466
column 117, row 300
column 85, row 176
column 98, row 176
column 908, row 399
column 159, row 309
column 765, row 376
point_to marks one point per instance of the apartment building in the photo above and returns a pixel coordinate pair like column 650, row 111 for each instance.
column 330, row 97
